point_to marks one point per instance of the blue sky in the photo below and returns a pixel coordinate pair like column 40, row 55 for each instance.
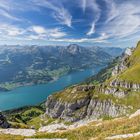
column 110, row 23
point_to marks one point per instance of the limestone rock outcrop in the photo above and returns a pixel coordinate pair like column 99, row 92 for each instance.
column 85, row 107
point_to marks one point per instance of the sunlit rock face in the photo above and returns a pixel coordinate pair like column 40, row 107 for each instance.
column 122, row 64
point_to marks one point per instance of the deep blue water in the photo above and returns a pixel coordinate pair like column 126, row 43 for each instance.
column 32, row 95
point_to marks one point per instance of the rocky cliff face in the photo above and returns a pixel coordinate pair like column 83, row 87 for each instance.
column 3, row 122
column 85, row 107
column 122, row 64
column 101, row 108
column 118, row 88
column 124, row 84
column 73, row 111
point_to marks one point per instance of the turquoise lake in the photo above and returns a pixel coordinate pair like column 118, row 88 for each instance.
column 33, row 95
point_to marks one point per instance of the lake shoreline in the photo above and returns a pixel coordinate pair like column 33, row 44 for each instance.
column 22, row 84
column 35, row 94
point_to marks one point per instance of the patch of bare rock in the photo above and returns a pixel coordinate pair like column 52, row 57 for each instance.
column 123, row 136
column 22, row 132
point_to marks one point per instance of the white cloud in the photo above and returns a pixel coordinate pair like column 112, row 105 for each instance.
column 56, row 33
column 11, row 32
column 14, row 32
column 5, row 10
column 123, row 19
column 10, row 8
column 38, row 29
column 112, row 10
column 92, row 4
column 92, row 29
column 44, row 33
column 8, row 32
column 5, row 14
column 4, row 5
column 83, row 4
column 61, row 14
column 12, row 5
column 100, row 39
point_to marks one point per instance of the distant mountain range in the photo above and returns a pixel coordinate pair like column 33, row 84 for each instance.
column 21, row 65
column 113, row 51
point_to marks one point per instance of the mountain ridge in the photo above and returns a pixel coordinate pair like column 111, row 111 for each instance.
column 105, row 99
column 40, row 64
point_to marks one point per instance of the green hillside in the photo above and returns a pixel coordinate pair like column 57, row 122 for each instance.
column 132, row 74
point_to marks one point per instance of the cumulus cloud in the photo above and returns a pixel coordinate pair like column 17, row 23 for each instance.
column 8, row 31
column 38, row 29
column 47, row 33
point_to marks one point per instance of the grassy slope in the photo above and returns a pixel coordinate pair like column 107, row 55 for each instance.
column 105, row 129
column 10, row 137
column 133, row 73
column 25, row 117
column 103, row 74
column 68, row 96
